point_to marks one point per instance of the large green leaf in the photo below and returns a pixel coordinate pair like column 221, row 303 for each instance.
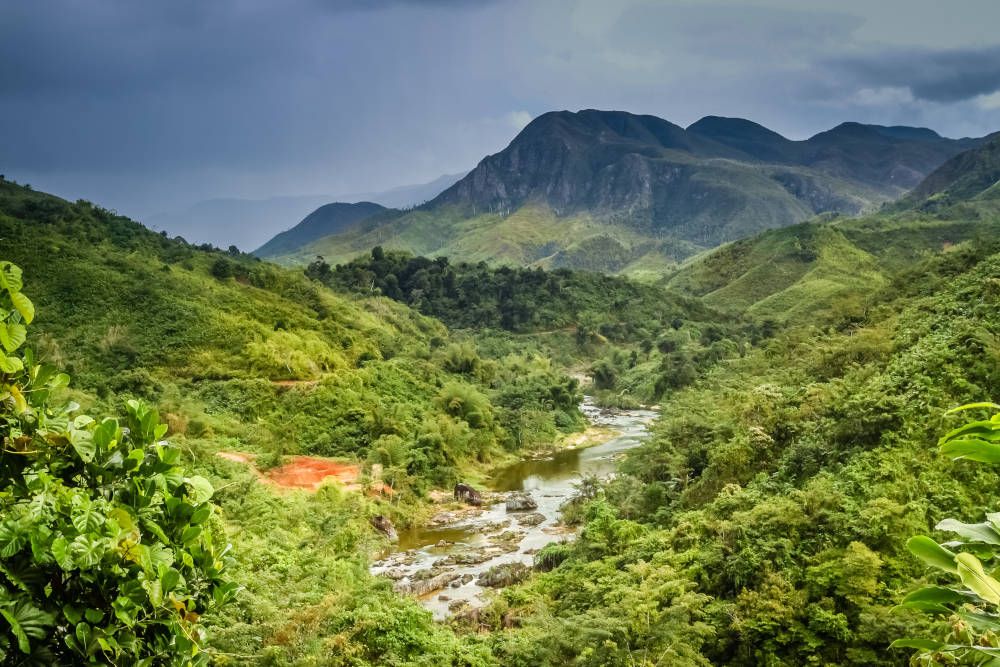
column 10, row 277
column 970, row 571
column 26, row 622
column 973, row 450
column 922, row 644
column 932, row 553
column 976, row 532
column 200, row 489
column 10, row 365
column 12, row 335
column 24, row 306
column 932, row 599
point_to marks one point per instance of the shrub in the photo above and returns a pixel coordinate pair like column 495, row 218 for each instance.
column 104, row 552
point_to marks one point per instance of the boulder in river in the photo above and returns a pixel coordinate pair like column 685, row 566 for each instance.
column 506, row 574
column 424, row 586
column 465, row 493
column 384, row 524
column 532, row 519
column 521, row 502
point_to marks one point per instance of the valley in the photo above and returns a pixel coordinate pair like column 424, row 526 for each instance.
column 760, row 516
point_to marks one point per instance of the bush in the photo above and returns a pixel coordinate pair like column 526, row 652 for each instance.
column 104, row 552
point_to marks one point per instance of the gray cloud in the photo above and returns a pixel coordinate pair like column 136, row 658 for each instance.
column 144, row 106
column 934, row 75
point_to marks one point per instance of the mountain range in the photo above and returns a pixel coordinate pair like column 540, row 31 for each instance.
column 620, row 192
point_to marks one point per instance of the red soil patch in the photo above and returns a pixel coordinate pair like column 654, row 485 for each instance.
column 306, row 472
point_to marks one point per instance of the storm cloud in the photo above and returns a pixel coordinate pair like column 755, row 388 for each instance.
column 153, row 105
column 936, row 76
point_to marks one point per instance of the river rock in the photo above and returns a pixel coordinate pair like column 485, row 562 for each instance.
column 532, row 519
column 521, row 502
column 457, row 605
column 384, row 524
column 506, row 574
column 423, row 586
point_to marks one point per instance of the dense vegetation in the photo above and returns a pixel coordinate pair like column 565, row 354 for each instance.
column 765, row 522
column 247, row 358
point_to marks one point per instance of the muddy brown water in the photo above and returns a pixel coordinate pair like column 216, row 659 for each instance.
column 495, row 536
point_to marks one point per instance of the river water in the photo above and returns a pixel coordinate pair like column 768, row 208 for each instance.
column 464, row 544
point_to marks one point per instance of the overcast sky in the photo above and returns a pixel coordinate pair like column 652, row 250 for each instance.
column 149, row 105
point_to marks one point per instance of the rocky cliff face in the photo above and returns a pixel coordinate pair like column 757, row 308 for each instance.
column 700, row 181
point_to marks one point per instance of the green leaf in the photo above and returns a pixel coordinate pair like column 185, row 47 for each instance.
column 922, row 644
column 938, row 594
column 83, row 444
column 24, row 306
column 12, row 335
column 970, row 571
column 10, row 365
column 932, row 553
column 10, row 277
column 201, row 514
column 973, row 450
column 977, row 532
column 60, row 551
column 973, row 406
column 200, row 489
column 169, row 579
column 190, row 534
column 27, row 622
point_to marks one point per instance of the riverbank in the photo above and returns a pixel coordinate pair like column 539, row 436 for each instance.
column 452, row 561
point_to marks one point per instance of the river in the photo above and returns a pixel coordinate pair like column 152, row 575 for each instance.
column 465, row 543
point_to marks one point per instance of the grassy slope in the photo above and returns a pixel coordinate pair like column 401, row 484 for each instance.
column 792, row 274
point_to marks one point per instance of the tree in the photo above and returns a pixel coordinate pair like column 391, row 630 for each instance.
column 106, row 547
column 222, row 268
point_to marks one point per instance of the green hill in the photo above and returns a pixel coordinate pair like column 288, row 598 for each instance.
column 827, row 268
column 325, row 220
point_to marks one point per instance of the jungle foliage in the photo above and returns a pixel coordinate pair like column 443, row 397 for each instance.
column 765, row 522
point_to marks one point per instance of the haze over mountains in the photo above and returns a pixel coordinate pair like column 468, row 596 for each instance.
column 248, row 223
column 615, row 191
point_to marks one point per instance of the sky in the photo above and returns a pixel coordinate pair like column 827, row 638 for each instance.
column 150, row 106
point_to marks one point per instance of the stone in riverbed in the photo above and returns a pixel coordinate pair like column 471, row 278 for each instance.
column 424, row 586
column 532, row 519
column 521, row 502
column 506, row 574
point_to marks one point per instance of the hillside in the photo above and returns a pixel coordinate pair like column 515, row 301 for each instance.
column 969, row 175
column 619, row 192
column 779, row 274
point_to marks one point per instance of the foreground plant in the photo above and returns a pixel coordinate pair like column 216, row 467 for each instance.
column 974, row 602
column 106, row 551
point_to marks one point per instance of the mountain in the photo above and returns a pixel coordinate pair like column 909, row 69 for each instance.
column 620, row 192
column 327, row 219
column 248, row 223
